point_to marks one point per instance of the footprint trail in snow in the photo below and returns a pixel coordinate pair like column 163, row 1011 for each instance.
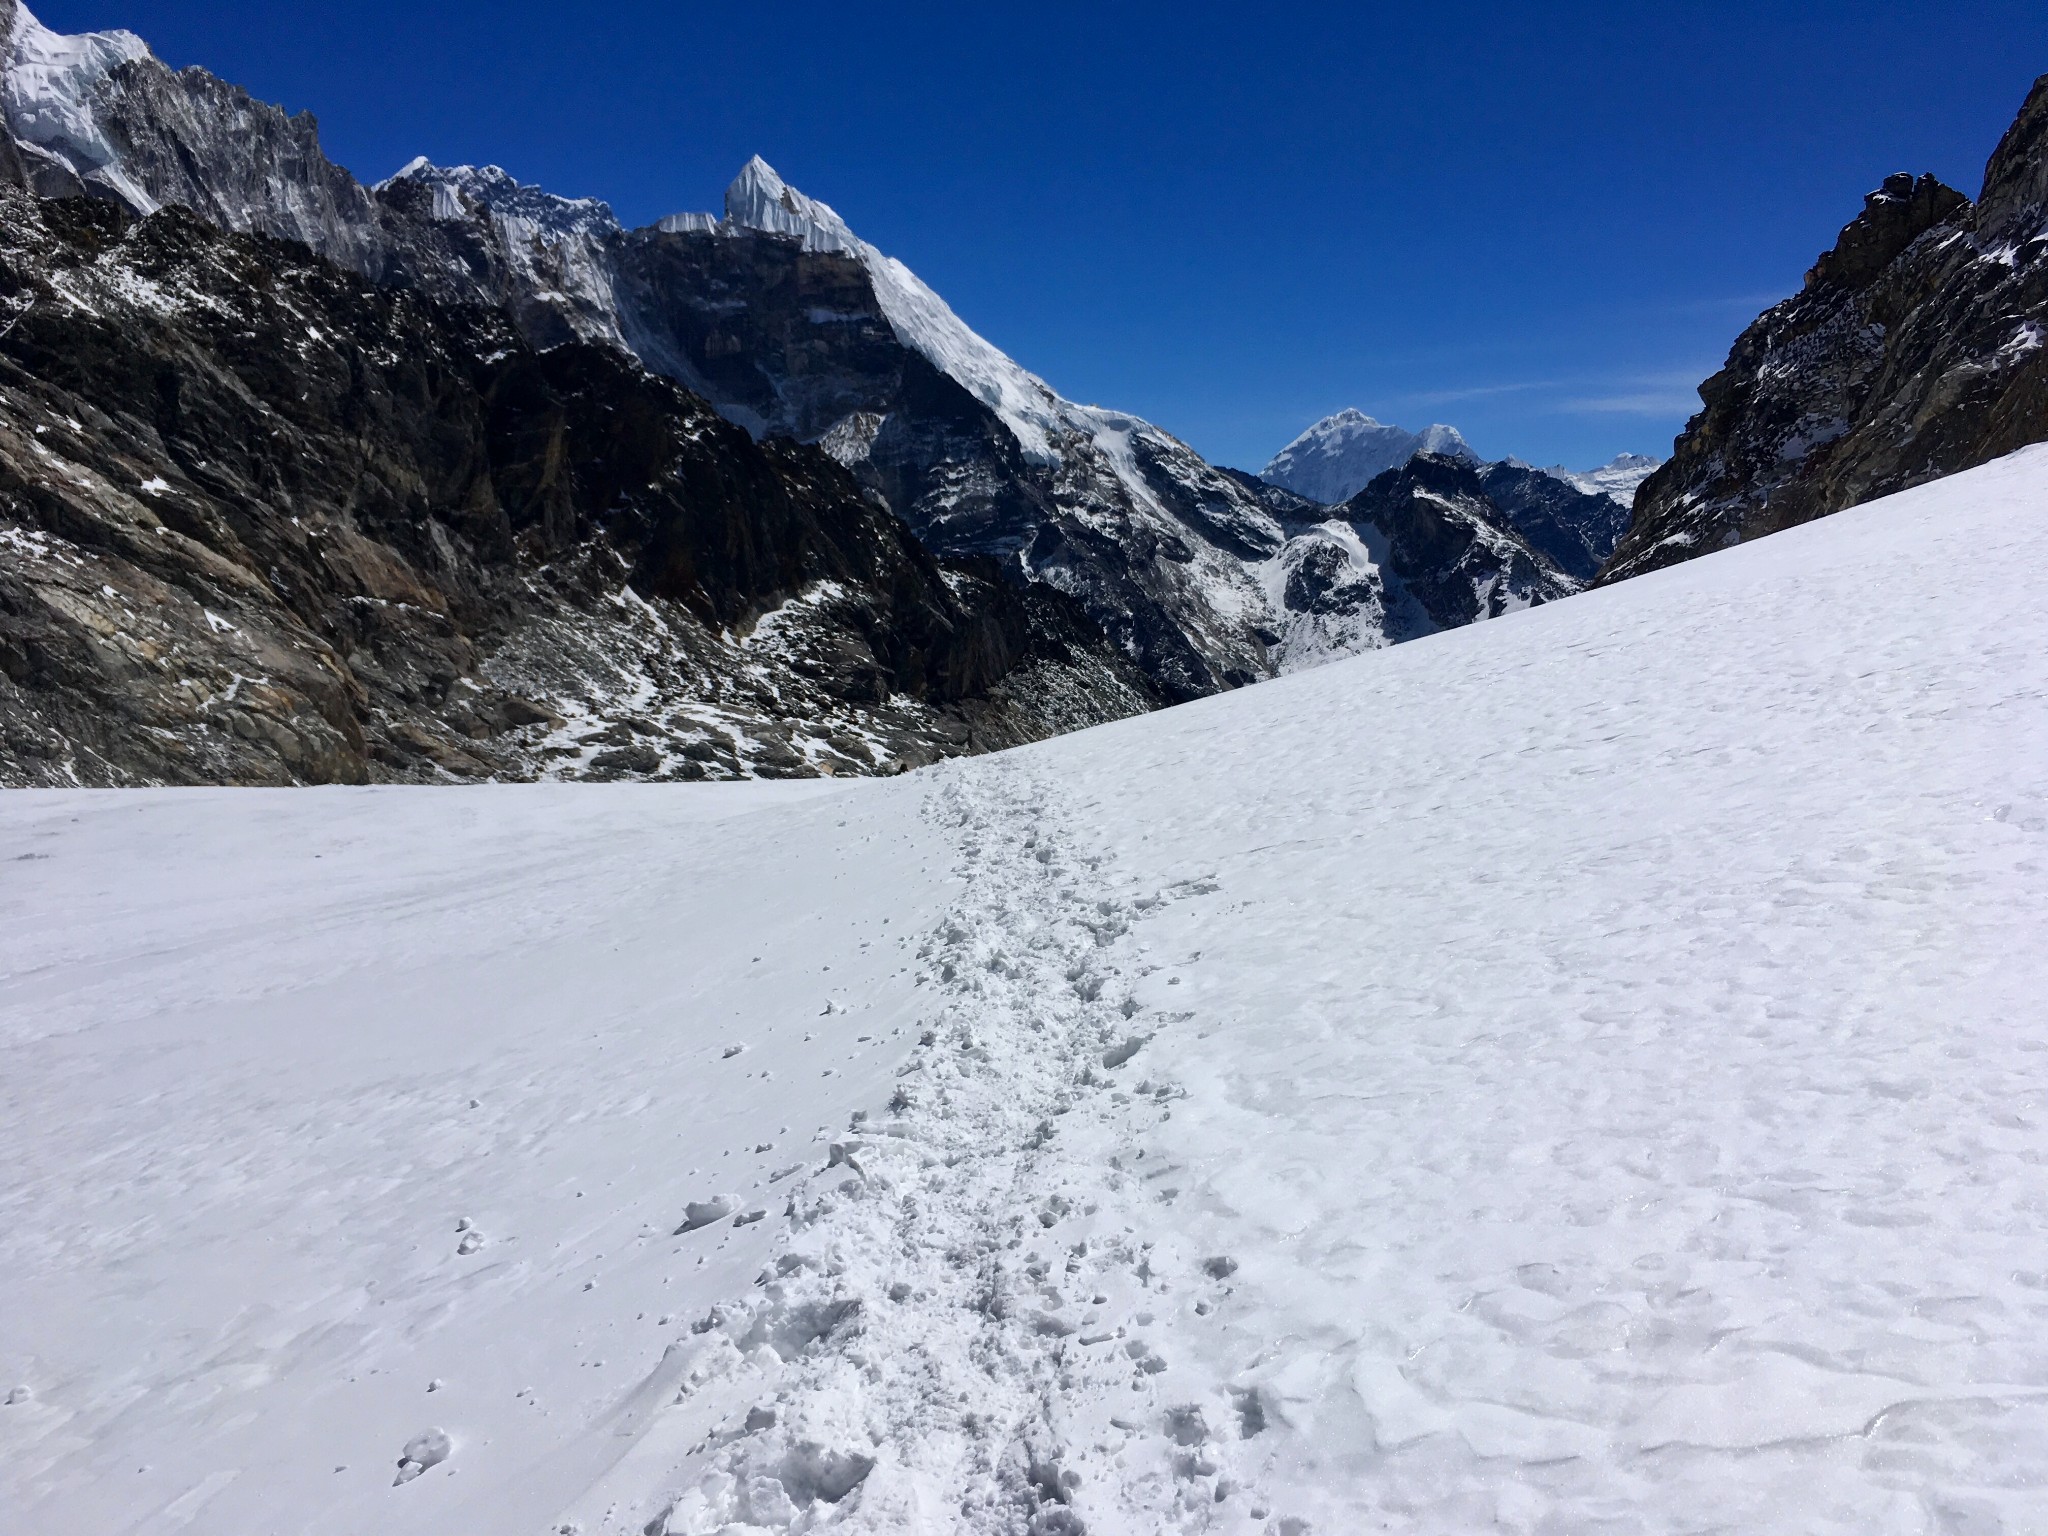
column 959, row 1335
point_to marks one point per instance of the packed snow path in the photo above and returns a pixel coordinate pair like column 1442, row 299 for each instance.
column 1577, row 1074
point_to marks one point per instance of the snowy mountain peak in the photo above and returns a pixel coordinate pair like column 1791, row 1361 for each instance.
column 760, row 199
column 48, row 90
column 1448, row 442
column 1338, row 457
column 1348, row 420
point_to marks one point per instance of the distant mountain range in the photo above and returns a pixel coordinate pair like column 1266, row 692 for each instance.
column 303, row 479
column 1340, row 455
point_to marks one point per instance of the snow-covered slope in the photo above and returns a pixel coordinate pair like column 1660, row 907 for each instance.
column 1572, row 1073
column 1340, row 455
column 47, row 91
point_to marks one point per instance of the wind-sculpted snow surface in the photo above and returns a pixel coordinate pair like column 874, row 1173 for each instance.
column 1571, row 1074
column 1620, row 1105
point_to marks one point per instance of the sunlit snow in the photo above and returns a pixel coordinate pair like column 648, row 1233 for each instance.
column 1579, row 1073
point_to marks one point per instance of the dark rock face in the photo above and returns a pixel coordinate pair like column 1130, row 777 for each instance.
column 1918, row 347
column 787, row 339
column 1458, row 556
column 784, row 339
column 262, row 521
column 1574, row 530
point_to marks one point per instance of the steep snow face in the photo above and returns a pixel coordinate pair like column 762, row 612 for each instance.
column 1338, row 457
column 1572, row 1073
column 760, row 200
column 1617, row 478
column 48, row 89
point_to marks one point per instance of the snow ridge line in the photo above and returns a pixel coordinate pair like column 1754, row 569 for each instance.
column 947, row 1329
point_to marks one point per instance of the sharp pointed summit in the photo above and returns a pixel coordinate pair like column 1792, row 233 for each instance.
column 760, row 199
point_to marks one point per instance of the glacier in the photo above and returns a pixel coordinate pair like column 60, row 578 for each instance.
column 1575, row 1072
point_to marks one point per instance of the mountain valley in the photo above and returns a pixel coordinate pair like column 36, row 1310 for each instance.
column 1122, row 562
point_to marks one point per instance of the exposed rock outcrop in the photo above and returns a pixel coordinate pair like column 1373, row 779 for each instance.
column 265, row 521
column 1573, row 528
column 1459, row 557
column 1914, row 350
column 1422, row 548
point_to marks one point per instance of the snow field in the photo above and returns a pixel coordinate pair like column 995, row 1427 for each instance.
column 1617, row 1043
column 1573, row 1074
column 334, row 1117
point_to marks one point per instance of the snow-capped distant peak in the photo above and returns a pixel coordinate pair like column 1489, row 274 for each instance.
column 1338, row 457
column 1617, row 478
column 1447, row 442
column 48, row 90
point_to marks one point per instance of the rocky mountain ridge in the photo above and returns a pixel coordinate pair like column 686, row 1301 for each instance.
column 775, row 312
column 1571, row 521
column 1424, row 547
column 1915, row 349
column 263, row 521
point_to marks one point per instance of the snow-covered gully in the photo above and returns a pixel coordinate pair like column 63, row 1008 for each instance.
column 965, row 1321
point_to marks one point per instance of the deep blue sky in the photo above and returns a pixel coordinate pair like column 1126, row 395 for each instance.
column 1543, row 223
